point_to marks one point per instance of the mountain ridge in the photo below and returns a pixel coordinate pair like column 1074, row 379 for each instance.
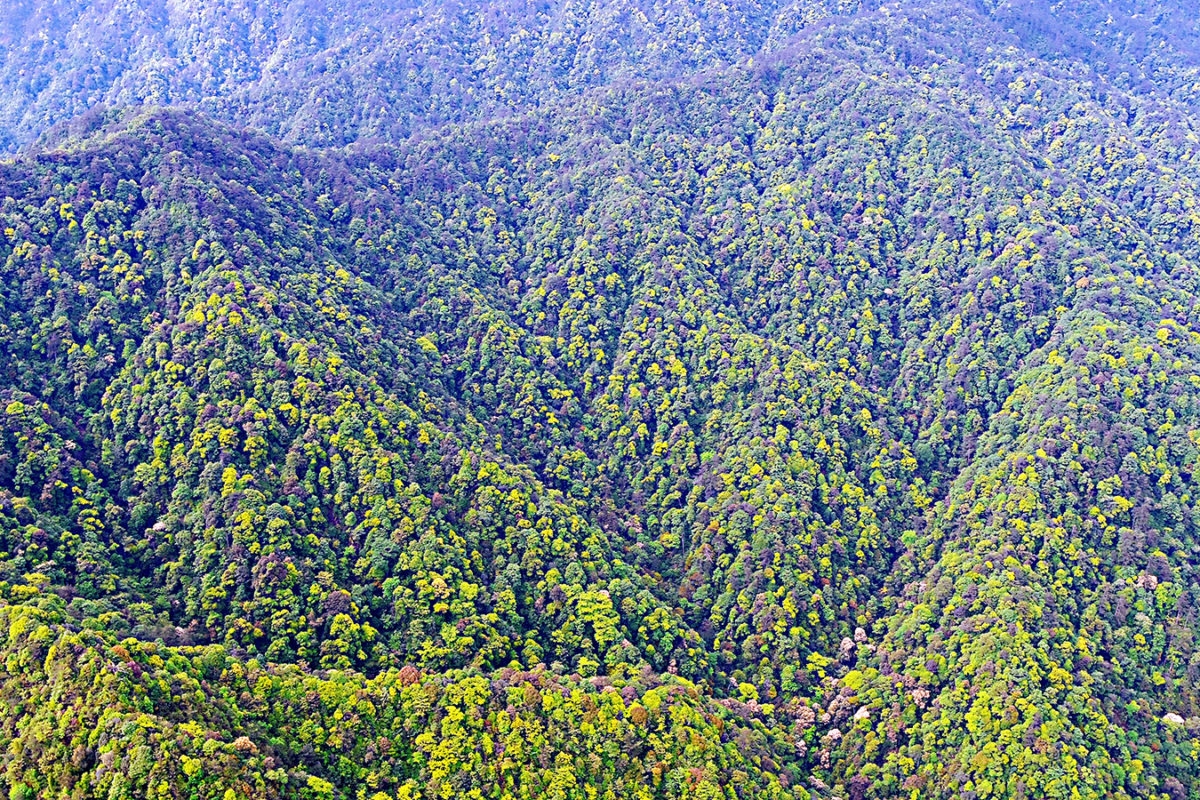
column 854, row 434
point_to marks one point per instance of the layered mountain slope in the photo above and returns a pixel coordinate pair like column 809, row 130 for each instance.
column 328, row 74
column 818, row 427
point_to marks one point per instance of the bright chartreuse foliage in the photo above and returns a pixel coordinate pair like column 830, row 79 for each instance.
column 785, row 401
column 153, row 721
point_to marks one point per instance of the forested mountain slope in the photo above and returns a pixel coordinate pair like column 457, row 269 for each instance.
column 324, row 73
column 328, row 73
column 821, row 424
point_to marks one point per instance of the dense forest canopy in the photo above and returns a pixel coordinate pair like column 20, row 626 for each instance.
column 600, row 399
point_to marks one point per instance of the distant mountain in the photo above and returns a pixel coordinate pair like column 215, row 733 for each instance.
column 328, row 74
column 322, row 73
column 779, row 407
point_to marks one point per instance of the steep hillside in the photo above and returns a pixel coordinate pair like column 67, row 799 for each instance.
column 821, row 425
column 324, row 73
column 328, row 74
